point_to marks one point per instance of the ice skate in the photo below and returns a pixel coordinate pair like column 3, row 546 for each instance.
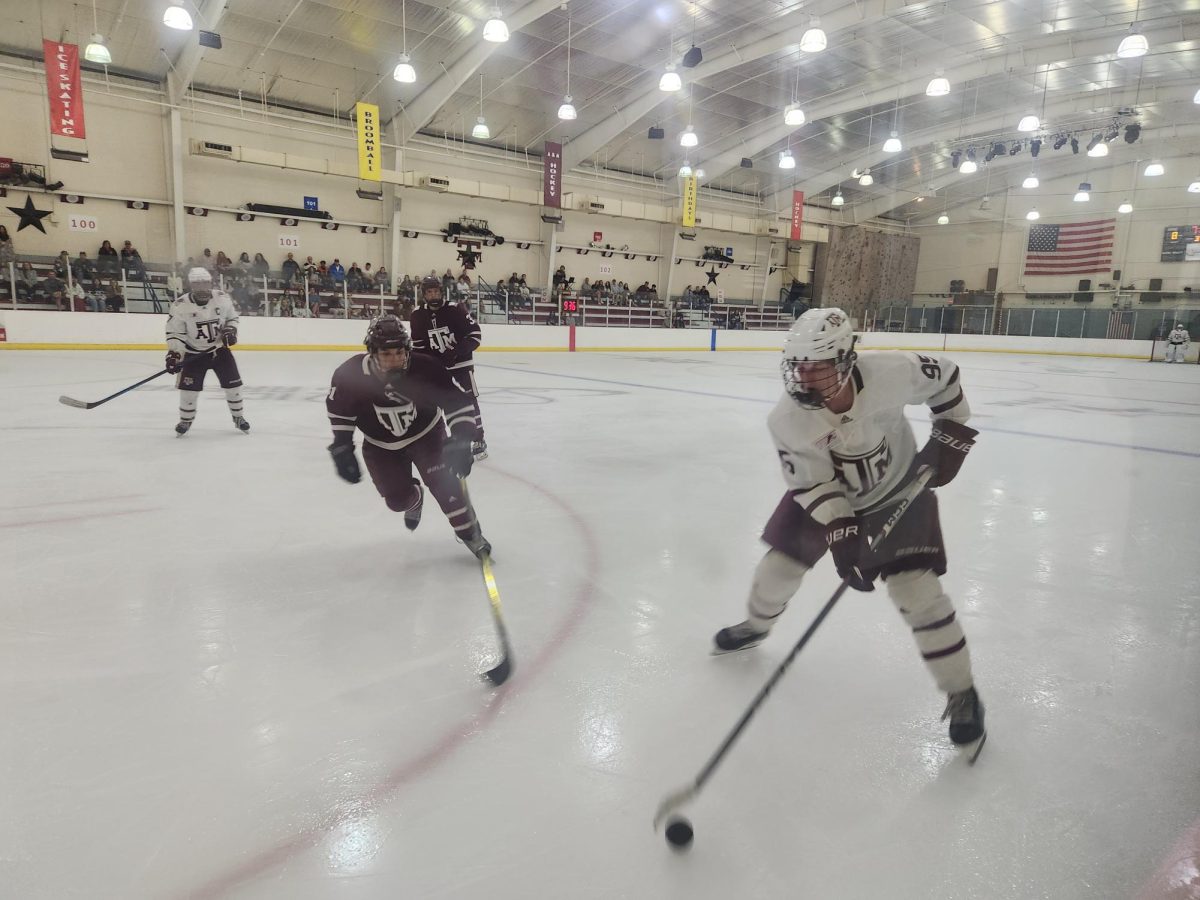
column 412, row 515
column 479, row 450
column 964, row 709
column 737, row 637
column 477, row 543
column 182, row 428
column 240, row 423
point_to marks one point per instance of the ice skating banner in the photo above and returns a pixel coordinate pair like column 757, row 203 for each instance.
column 797, row 214
column 369, row 159
column 64, row 89
column 552, row 175
column 689, row 202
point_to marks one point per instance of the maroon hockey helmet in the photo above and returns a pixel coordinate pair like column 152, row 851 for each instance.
column 432, row 283
column 387, row 333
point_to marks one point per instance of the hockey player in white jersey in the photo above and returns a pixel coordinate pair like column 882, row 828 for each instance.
column 201, row 328
column 847, row 452
column 1177, row 343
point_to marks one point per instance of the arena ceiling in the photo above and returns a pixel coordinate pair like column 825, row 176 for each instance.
column 1002, row 59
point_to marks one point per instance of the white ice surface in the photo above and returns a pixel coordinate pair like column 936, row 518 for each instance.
column 226, row 673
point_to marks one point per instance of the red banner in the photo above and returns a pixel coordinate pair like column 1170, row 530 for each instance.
column 65, row 90
column 797, row 214
column 552, row 175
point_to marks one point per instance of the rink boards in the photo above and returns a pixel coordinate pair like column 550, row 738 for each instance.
column 36, row 330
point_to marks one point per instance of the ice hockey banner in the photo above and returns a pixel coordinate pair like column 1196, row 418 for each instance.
column 64, row 89
column 689, row 202
column 797, row 214
column 369, row 158
column 552, row 175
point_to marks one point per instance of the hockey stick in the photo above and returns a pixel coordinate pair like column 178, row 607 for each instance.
column 499, row 673
column 80, row 404
column 675, row 800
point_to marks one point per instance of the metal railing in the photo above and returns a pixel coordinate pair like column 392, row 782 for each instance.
column 1029, row 321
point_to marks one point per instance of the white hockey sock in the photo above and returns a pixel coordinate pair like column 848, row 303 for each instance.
column 187, row 405
column 930, row 614
column 233, row 396
column 777, row 577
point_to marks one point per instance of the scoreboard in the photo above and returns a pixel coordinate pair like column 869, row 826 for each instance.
column 1181, row 243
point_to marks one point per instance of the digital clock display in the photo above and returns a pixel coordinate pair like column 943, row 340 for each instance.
column 570, row 305
column 1181, row 243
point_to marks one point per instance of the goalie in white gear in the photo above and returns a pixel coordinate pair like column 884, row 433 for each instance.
column 847, row 453
column 1177, row 343
column 201, row 328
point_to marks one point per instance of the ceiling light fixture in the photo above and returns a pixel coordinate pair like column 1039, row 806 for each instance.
column 786, row 160
column 793, row 115
column 699, row 173
column 1030, row 182
column 566, row 112
column 688, row 138
column 939, row 85
column 892, row 144
column 1033, row 215
column 495, row 29
column 943, row 219
column 969, row 167
column 670, row 81
column 1029, row 122
column 1099, row 150
column 96, row 51
column 1083, row 195
column 1194, row 187
column 1154, row 169
column 1133, row 45
column 866, row 179
column 177, row 17
column 481, row 132
column 838, row 199
column 404, row 71
column 814, row 39
column 1125, row 207
column 685, row 170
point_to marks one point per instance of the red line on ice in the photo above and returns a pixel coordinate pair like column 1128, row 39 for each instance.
column 84, row 518
column 386, row 791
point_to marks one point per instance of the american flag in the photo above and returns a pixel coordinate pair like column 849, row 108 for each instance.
column 1079, row 248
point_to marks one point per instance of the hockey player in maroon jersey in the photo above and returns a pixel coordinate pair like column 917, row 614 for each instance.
column 396, row 398
column 452, row 336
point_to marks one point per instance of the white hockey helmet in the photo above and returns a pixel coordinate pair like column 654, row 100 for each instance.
column 818, row 336
column 200, row 285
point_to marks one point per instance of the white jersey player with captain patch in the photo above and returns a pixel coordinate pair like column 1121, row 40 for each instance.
column 202, row 326
column 849, row 457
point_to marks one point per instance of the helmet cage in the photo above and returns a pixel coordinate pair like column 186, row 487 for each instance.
column 814, row 393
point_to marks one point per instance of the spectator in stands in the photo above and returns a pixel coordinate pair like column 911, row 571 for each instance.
column 223, row 264
column 106, row 259
column 62, row 265
column 337, row 273
column 560, row 277
column 382, row 278
column 513, row 281
column 131, row 260
column 552, row 319
column 586, row 289
column 83, row 270
column 290, row 269
column 260, row 268
column 354, row 279
column 406, row 290
column 243, row 263
column 52, row 288
column 8, row 253
column 96, row 300
column 405, row 305
column 26, row 280
column 113, row 298
column 448, row 281
column 308, row 268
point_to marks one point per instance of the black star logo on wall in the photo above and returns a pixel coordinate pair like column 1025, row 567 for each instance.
column 712, row 276
column 30, row 215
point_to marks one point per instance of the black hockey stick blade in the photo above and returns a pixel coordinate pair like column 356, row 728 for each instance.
column 80, row 404
column 498, row 674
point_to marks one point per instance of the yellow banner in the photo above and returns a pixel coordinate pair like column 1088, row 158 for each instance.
column 689, row 201
column 370, row 157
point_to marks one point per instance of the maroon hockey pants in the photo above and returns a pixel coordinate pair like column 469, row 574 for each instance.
column 391, row 470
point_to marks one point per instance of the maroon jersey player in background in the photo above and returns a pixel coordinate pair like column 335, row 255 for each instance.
column 452, row 336
column 396, row 398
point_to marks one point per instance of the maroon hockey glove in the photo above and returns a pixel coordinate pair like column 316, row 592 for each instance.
column 174, row 362
column 229, row 335
column 457, row 455
column 946, row 450
column 848, row 544
column 345, row 461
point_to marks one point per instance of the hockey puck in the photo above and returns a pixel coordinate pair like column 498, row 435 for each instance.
column 679, row 832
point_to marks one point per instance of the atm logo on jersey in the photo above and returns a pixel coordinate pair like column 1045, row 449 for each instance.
column 397, row 419
column 861, row 472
